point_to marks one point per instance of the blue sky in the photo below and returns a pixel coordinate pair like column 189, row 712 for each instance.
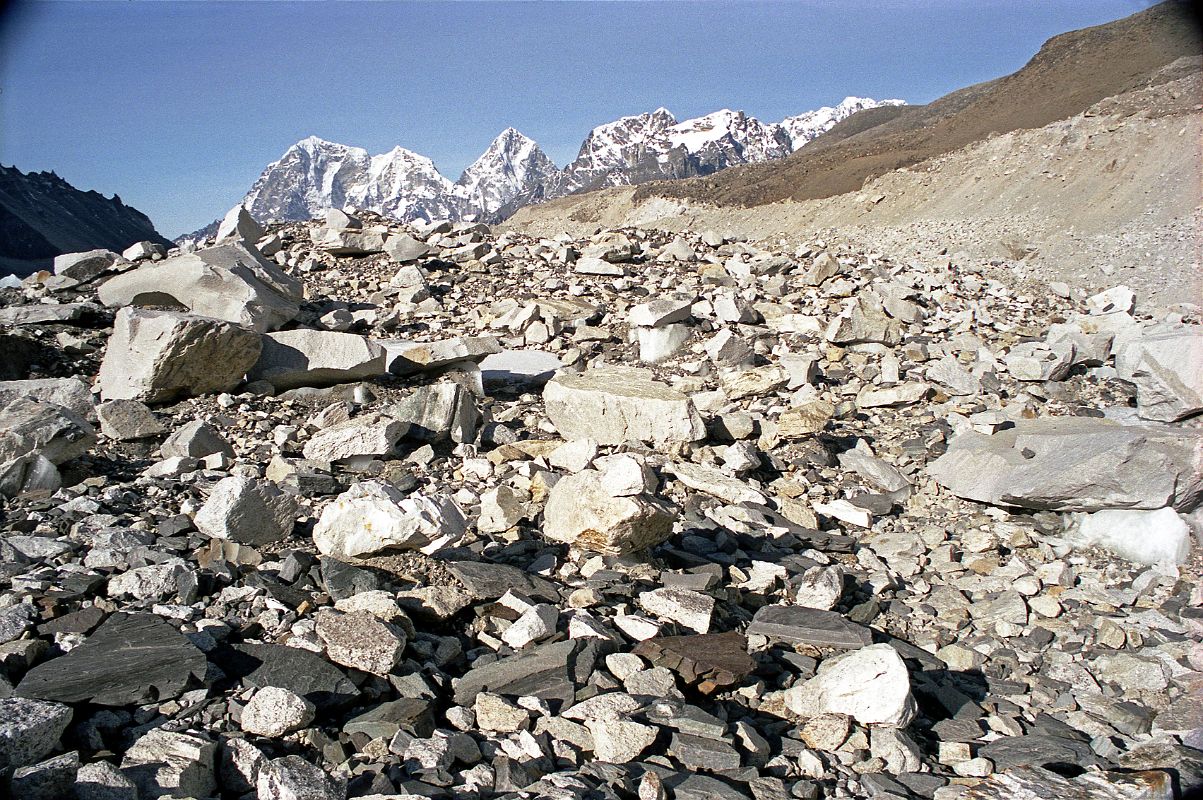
column 177, row 106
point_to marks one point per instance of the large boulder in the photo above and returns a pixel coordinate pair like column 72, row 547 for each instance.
column 83, row 267
column 586, row 511
column 158, row 356
column 290, row 359
column 239, row 224
column 612, row 405
column 373, row 517
column 231, row 281
column 1166, row 364
column 1076, row 464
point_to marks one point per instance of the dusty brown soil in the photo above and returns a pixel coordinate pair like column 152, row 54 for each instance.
column 1070, row 73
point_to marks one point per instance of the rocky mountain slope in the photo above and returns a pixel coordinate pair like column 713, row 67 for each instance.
column 42, row 216
column 405, row 512
column 1107, row 192
column 1069, row 74
column 315, row 175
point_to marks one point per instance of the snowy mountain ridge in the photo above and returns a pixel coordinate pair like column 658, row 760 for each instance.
column 314, row 174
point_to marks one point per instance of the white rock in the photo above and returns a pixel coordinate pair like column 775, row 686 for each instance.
column 615, row 404
column 316, row 358
column 1146, row 537
column 574, row 455
column 620, row 741
column 713, row 482
column 500, row 509
column 230, row 282
column 366, row 435
column 686, row 607
column 239, row 224
column 373, row 517
column 274, row 711
column 581, row 512
column 164, row 762
column 658, row 344
column 871, row 685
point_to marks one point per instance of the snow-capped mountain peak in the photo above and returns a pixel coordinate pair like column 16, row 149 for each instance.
column 513, row 167
column 315, row 174
column 806, row 127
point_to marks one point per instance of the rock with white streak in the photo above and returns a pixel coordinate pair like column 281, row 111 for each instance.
column 373, row 517
column 316, row 358
column 231, row 282
column 438, row 412
column 871, row 685
column 685, row 607
column 159, row 356
column 83, row 267
column 247, row 511
column 612, row 405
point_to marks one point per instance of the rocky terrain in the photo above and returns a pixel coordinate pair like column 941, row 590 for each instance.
column 43, row 216
column 315, row 175
column 348, row 509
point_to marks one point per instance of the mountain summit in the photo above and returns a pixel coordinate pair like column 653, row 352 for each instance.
column 314, row 174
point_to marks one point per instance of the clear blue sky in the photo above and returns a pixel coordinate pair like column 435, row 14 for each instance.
column 177, row 106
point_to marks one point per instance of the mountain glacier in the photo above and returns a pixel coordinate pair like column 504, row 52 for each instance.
column 314, row 175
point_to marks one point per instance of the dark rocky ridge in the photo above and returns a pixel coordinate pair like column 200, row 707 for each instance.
column 42, row 216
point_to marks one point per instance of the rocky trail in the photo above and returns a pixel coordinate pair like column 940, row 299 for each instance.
column 351, row 509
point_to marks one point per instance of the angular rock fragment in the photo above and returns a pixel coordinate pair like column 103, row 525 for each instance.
column 158, row 356
column 29, row 729
column 812, row 626
column 291, row 359
column 196, row 439
column 713, row 482
column 247, row 511
column 294, row 778
column 230, row 282
column 438, row 412
column 372, row 517
column 582, row 512
column 709, row 662
column 165, row 763
column 1166, row 364
column 361, row 641
column 71, row 393
column 83, row 267
column 366, row 435
column 128, row 420
column 406, row 358
column 612, row 405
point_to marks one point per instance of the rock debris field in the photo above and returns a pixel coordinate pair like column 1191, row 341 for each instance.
column 343, row 509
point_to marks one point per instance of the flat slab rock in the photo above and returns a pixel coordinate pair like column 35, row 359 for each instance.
column 1076, row 464
column 709, row 661
column 800, row 625
column 612, row 405
column 1035, row 783
column 130, row 659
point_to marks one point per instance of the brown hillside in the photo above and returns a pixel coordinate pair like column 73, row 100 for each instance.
column 1070, row 73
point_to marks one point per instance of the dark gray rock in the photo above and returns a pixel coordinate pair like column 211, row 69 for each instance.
column 130, row 659
column 300, row 671
column 800, row 625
